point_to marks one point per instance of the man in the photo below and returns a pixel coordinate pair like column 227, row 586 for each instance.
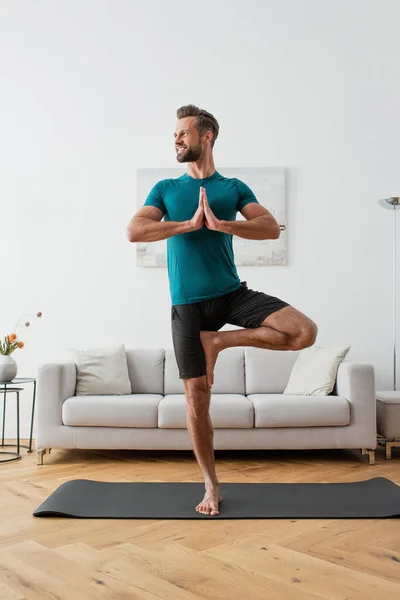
column 199, row 210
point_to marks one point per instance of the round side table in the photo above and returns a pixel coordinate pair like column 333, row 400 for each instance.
column 16, row 455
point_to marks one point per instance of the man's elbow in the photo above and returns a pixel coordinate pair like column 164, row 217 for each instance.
column 274, row 233
column 131, row 234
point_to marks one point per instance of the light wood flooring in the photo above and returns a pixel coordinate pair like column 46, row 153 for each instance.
column 277, row 559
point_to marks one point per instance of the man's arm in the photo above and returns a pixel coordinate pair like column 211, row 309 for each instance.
column 260, row 224
column 146, row 226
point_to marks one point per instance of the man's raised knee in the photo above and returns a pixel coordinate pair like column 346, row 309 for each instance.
column 306, row 338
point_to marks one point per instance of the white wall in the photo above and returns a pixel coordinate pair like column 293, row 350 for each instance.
column 89, row 91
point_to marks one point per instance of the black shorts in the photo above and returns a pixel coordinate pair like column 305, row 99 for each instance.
column 243, row 307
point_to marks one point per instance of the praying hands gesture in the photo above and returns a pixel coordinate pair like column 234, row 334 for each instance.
column 211, row 221
column 204, row 215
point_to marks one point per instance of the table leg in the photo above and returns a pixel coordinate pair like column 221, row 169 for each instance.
column 33, row 412
column 18, row 422
column 4, row 418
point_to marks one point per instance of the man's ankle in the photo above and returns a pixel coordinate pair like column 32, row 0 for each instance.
column 211, row 482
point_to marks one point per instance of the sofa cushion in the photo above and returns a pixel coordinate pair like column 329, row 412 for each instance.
column 101, row 371
column 226, row 411
column 277, row 410
column 146, row 370
column 314, row 372
column 133, row 410
column 228, row 373
column 268, row 371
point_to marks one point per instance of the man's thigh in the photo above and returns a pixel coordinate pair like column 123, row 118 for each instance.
column 290, row 321
column 186, row 321
column 250, row 308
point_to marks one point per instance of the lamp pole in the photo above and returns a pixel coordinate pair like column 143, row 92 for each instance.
column 393, row 204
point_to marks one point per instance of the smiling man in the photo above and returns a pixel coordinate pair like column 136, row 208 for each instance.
column 199, row 211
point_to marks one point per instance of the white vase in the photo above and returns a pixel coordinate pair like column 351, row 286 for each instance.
column 8, row 368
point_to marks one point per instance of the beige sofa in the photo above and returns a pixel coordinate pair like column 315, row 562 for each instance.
column 248, row 407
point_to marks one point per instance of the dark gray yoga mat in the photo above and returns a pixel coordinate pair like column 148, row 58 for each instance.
column 83, row 498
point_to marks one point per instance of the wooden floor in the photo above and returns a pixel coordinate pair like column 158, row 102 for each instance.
column 285, row 559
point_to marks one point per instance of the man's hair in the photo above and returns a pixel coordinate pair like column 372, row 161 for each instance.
column 205, row 120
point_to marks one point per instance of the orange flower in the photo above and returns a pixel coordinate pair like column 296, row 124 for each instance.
column 11, row 341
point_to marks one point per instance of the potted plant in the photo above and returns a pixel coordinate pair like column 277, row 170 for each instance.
column 8, row 366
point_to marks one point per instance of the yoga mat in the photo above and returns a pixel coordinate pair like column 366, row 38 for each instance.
column 83, row 498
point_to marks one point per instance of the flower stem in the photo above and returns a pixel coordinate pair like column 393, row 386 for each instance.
column 26, row 314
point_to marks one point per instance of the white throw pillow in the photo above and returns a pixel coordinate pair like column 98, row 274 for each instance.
column 314, row 372
column 101, row 371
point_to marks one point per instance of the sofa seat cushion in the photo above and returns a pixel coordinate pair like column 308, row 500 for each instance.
column 132, row 410
column 226, row 411
column 287, row 410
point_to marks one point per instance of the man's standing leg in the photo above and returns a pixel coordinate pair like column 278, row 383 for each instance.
column 187, row 321
column 201, row 431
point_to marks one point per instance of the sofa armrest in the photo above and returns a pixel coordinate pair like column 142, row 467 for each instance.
column 55, row 383
column 355, row 381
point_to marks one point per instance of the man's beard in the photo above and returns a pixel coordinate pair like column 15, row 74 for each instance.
column 189, row 155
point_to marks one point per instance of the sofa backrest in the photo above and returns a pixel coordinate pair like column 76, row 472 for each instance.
column 146, row 370
column 228, row 373
column 268, row 371
column 243, row 370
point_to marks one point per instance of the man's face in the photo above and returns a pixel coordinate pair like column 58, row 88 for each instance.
column 187, row 140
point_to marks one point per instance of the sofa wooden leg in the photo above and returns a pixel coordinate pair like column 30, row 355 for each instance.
column 371, row 455
column 389, row 444
column 39, row 455
column 388, row 450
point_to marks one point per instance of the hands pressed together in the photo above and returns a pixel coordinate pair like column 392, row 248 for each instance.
column 204, row 215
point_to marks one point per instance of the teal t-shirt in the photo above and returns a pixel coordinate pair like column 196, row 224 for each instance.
column 201, row 263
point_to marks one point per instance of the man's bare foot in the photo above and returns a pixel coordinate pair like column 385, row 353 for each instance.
column 211, row 500
column 209, row 339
